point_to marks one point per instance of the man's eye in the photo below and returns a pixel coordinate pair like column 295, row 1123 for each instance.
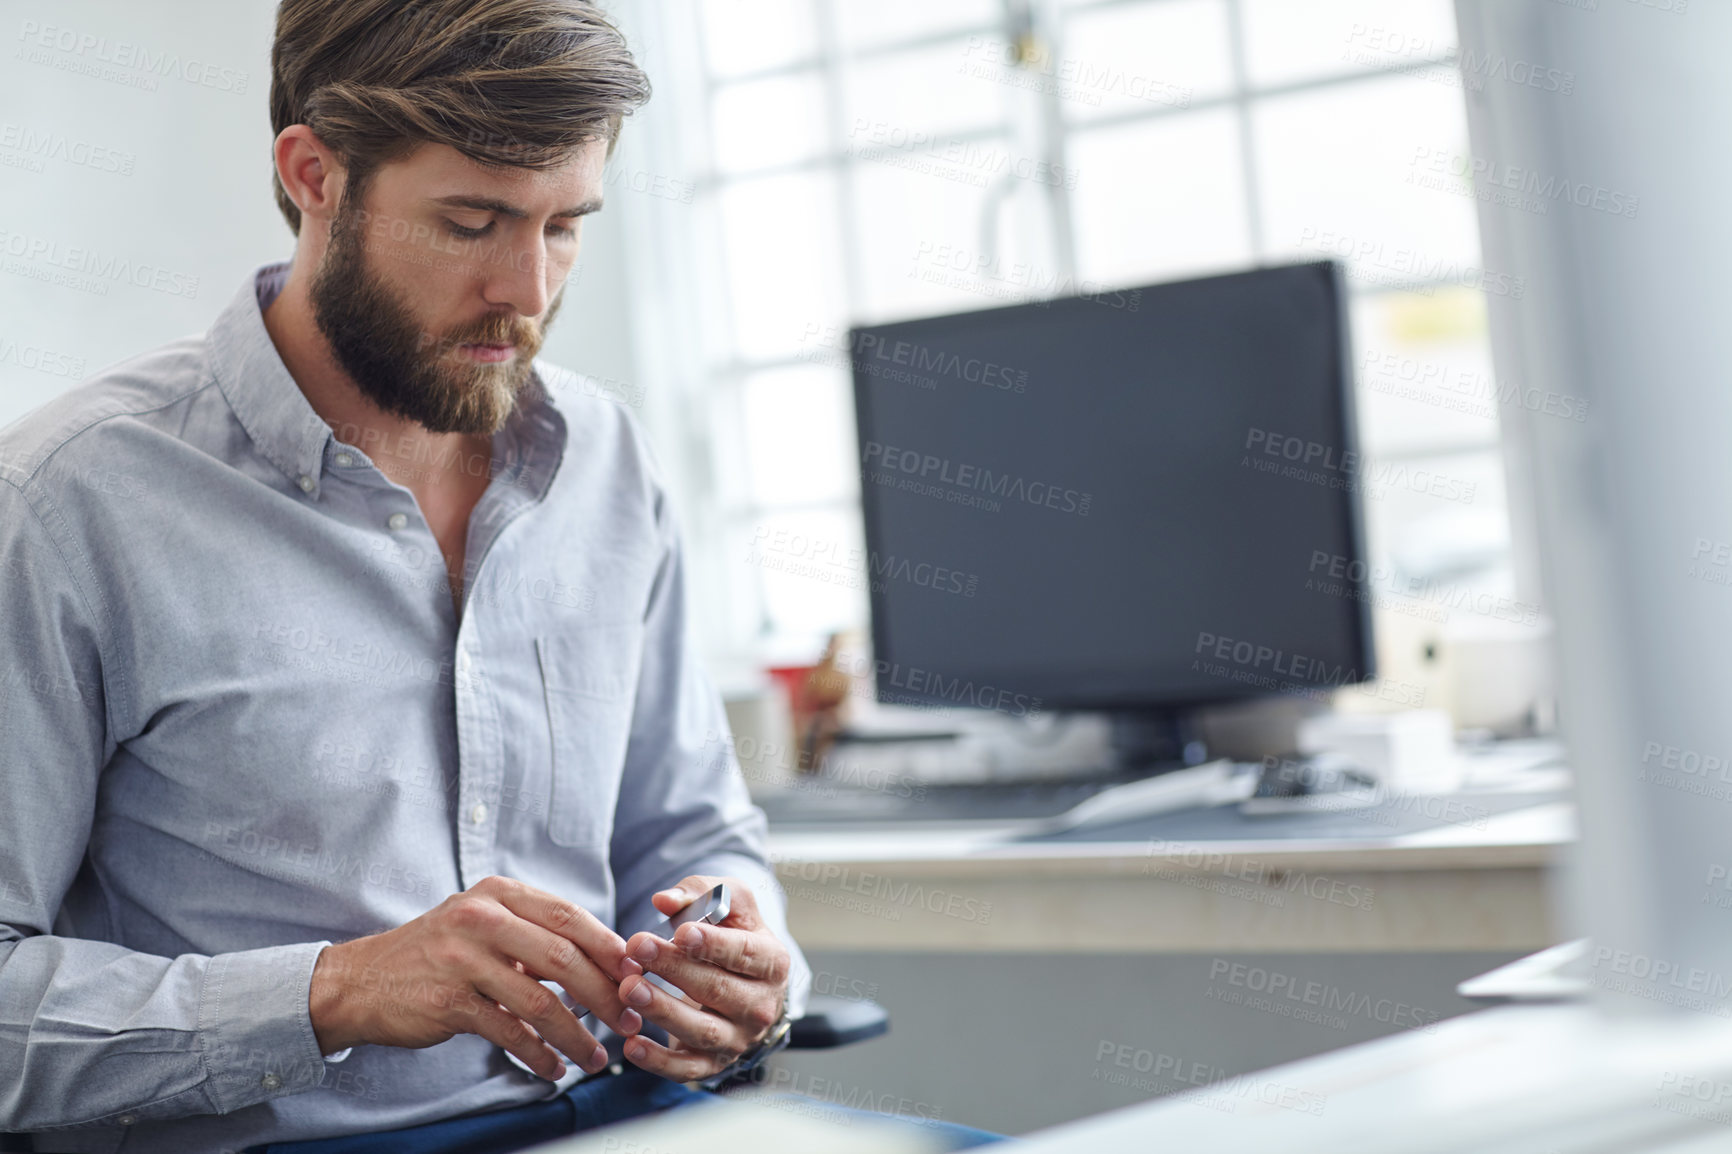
column 567, row 230
column 468, row 233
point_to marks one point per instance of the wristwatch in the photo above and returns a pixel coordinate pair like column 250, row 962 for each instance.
column 779, row 1036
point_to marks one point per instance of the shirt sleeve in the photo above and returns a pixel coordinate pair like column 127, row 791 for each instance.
column 92, row 1033
column 684, row 808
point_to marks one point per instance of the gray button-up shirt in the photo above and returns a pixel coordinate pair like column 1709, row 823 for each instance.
column 240, row 719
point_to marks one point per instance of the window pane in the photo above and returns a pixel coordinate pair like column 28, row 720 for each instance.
column 924, row 92
column 1140, row 56
column 1423, row 365
column 1437, row 517
column 780, row 236
column 880, row 22
column 1285, row 41
column 808, row 565
column 1159, row 199
column 1341, row 176
column 919, row 231
column 799, row 436
column 742, row 36
column 763, row 123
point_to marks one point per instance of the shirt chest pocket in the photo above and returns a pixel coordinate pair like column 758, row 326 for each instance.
column 589, row 679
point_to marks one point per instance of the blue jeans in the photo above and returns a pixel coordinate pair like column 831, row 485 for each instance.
column 596, row 1102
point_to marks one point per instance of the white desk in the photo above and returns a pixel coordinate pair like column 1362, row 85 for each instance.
column 1456, row 888
column 948, row 927
column 1553, row 1079
column 1517, row 1080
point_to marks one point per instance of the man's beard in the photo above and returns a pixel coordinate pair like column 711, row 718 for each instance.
column 401, row 367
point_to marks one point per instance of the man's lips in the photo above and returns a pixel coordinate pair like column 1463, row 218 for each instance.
column 489, row 352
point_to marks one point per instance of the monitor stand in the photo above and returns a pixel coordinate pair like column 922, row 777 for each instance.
column 1150, row 741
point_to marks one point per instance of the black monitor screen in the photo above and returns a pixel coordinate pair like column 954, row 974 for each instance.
column 1138, row 499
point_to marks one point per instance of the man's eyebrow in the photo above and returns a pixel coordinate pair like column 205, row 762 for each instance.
column 505, row 208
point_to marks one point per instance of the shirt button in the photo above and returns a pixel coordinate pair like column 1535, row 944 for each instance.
column 271, row 1082
column 478, row 814
column 463, row 661
column 345, row 459
column 126, row 1119
column 397, row 520
column 306, row 483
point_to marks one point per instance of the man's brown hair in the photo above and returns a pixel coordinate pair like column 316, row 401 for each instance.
column 509, row 82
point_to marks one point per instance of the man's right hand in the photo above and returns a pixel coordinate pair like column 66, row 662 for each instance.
column 473, row 965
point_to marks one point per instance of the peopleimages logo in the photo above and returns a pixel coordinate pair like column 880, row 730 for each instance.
column 1326, row 998
column 1339, row 575
column 38, row 145
column 40, row 358
column 950, row 158
column 102, row 268
column 924, row 686
column 905, row 361
column 828, row 560
column 1463, row 390
column 1299, row 667
column 1375, row 262
column 1266, row 451
column 1392, row 48
column 127, row 55
column 1192, row 856
column 1119, row 1063
column 1527, row 182
column 896, row 894
column 928, row 470
column 1267, row 667
column 921, row 358
column 1645, row 976
column 1070, row 78
column 986, row 273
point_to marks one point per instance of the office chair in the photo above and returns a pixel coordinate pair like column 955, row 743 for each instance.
column 829, row 1022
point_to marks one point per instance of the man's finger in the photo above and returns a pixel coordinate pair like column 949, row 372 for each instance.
column 683, row 893
column 566, row 919
column 708, row 984
column 755, row 954
column 695, row 1026
column 676, row 1065
column 507, row 1031
column 742, row 905
column 543, row 953
column 540, row 1008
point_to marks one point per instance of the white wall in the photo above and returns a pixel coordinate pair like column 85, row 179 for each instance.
column 189, row 199
column 192, row 197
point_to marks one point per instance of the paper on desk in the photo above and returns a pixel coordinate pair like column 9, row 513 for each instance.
column 1214, row 783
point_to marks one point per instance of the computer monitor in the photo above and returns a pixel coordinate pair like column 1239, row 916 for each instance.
column 1141, row 502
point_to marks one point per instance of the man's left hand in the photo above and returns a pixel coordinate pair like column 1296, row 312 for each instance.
column 735, row 975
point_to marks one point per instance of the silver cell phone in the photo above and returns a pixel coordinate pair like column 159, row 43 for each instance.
column 711, row 909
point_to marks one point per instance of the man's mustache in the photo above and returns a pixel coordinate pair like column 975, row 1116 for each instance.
column 519, row 331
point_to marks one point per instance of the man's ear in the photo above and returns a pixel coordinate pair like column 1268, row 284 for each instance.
column 310, row 171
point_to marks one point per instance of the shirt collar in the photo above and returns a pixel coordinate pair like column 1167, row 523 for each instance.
column 291, row 436
column 265, row 399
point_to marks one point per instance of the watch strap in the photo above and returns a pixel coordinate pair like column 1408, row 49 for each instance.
column 779, row 1036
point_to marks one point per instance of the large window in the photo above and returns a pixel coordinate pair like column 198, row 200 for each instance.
column 866, row 161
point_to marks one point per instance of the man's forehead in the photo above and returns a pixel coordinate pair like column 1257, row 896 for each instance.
column 439, row 171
